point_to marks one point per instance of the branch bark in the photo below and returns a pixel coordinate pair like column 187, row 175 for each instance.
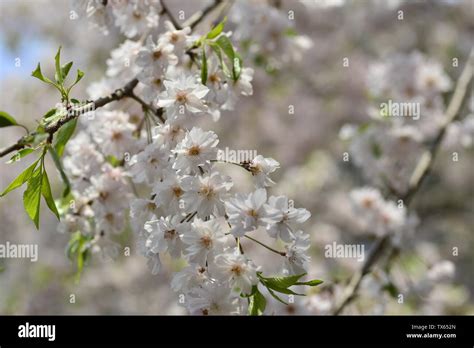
column 424, row 167
column 125, row 91
column 118, row 94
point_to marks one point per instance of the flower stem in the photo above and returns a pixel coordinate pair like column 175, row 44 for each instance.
column 281, row 253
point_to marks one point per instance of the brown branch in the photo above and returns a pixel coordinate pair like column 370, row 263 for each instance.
column 281, row 253
column 118, row 94
column 197, row 18
column 126, row 91
column 157, row 112
column 421, row 171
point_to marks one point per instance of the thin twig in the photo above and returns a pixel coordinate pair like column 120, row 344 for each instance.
column 53, row 128
column 126, row 91
column 197, row 18
column 157, row 112
column 281, row 253
column 422, row 170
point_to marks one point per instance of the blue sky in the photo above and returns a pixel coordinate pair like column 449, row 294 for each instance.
column 29, row 50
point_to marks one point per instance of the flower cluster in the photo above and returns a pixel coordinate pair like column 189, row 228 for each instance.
column 379, row 216
column 180, row 203
column 275, row 32
column 410, row 91
column 133, row 17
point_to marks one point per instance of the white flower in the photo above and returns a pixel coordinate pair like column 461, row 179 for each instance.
column 204, row 240
column 242, row 86
column 134, row 17
column 120, row 64
column 261, row 167
column 71, row 223
column 152, row 84
column 212, row 299
column 235, row 269
column 169, row 134
column 205, row 194
column 108, row 222
column 286, row 216
column 179, row 39
column 441, row 271
column 147, row 166
column 431, row 78
column 154, row 262
column 96, row 12
column 156, row 56
column 142, row 210
column 167, row 193
column 165, row 235
column 391, row 218
column 117, row 138
column 82, row 161
column 196, row 149
column 183, row 96
column 366, row 198
column 109, row 191
column 296, row 260
column 189, row 277
column 247, row 212
column 380, row 216
column 216, row 80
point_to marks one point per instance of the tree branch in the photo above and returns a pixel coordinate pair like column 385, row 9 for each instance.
column 118, row 94
column 281, row 253
column 197, row 18
column 126, row 91
column 157, row 112
column 421, row 171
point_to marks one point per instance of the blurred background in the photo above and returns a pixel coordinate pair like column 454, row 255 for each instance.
column 325, row 94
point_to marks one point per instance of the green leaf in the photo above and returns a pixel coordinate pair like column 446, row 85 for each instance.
column 376, row 150
column 226, row 46
column 204, row 67
column 391, row 289
column 57, row 162
column 32, row 196
column 79, row 76
column 20, row 179
column 39, row 75
column 65, row 70
column 114, row 161
column 217, row 50
column 63, row 136
column 276, row 297
column 291, row 32
column 252, row 292
column 20, row 154
column 57, row 62
column 257, row 303
column 6, row 120
column 73, row 244
column 78, row 249
column 216, row 30
column 47, row 195
column 50, row 113
column 236, row 61
column 282, row 290
column 314, row 282
column 363, row 128
column 281, row 282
